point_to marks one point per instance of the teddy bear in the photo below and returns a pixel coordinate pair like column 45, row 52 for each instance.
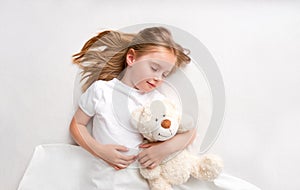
column 158, row 121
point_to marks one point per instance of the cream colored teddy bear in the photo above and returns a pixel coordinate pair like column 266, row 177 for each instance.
column 159, row 121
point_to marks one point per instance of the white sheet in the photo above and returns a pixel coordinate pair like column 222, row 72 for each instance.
column 69, row 167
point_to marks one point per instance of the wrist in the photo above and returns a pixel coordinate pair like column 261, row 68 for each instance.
column 96, row 148
column 169, row 147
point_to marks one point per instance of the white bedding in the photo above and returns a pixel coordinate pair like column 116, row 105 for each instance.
column 69, row 167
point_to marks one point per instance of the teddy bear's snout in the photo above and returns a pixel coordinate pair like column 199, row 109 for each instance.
column 166, row 124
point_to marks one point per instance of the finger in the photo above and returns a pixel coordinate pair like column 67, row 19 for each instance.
column 118, row 166
column 141, row 155
column 121, row 148
column 130, row 158
column 122, row 166
column 144, row 159
column 147, row 145
column 114, row 166
column 147, row 163
column 125, row 163
column 153, row 165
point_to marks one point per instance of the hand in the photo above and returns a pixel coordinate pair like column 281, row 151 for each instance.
column 153, row 154
column 156, row 152
column 111, row 154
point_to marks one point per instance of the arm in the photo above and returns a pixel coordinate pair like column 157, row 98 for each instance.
column 108, row 152
column 157, row 152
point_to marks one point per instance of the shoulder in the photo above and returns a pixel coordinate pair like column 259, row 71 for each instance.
column 101, row 84
column 98, row 83
column 95, row 90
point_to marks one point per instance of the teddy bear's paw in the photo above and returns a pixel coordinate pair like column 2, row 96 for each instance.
column 208, row 167
column 150, row 173
column 159, row 184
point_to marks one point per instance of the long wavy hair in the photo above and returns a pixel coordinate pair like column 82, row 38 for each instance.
column 103, row 57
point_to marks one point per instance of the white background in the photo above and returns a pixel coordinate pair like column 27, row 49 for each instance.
column 255, row 44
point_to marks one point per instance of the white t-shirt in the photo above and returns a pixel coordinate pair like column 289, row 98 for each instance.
column 111, row 103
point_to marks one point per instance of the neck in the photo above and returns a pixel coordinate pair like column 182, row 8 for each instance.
column 126, row 79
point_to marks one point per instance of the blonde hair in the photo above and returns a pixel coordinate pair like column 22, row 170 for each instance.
column 103, row 57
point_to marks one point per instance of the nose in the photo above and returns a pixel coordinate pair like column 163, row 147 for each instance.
column 157, row 79
column 166, row 124
column 158, row 76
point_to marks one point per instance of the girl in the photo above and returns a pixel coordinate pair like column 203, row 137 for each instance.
column 122, row 72
column 119, row 67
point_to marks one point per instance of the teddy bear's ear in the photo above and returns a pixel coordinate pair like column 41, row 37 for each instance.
column 157, row 108
column 186, row 123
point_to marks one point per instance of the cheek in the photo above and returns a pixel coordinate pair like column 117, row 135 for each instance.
column 142, row 76
column 142, row 85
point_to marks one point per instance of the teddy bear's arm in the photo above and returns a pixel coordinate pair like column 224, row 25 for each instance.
column 150, row 173
column 186, row 123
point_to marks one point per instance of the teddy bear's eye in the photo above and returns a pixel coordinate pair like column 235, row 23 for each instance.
column 156, row 119
column 164, row 115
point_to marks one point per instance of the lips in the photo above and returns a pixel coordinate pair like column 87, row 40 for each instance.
column 153, row 85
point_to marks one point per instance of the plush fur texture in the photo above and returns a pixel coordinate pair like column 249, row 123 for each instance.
column 178, row 167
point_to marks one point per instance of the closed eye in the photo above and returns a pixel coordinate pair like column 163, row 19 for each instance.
column 165, row 74
column 154, row 69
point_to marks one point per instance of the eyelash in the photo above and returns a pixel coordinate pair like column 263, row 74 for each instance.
column 156, row 69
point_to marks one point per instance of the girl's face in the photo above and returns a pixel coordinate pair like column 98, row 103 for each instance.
column 147, row 72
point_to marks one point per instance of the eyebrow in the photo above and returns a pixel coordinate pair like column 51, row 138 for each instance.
column 156, row 64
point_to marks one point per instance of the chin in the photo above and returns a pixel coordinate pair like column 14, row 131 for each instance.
column 146, row 88
column 146, row 91
column 149, row 90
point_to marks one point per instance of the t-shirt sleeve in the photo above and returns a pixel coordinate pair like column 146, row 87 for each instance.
column 90, row 98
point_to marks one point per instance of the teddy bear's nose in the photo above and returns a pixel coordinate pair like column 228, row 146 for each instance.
column 166, row 123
